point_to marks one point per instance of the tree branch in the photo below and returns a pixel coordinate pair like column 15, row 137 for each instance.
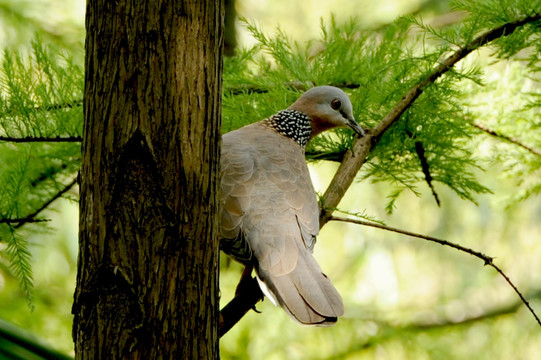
column 425, row 167
column 507, row 138
column 303, row 86
column 50, row 107
column 66, row 105
column 32, row 139
column 487, row 259
column 32, row 217
column 354, row 159
column 326, row 156
column 20, row 220
column 244, row 300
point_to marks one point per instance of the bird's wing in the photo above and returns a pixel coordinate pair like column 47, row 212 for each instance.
column 269, row 213
column 267, row 198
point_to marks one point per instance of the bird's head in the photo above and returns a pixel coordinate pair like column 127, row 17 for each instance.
column 328, row 107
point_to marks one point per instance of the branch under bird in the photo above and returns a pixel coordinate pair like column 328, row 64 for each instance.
column 269, row 215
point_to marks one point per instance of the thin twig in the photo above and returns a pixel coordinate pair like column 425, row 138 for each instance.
column 425, row 166
column 66, row 105
column 253, row 89
column 487, row 259
column 32, row 139
column 26, row 219
column 20, row 220
column 507, row 138
column 50, row 107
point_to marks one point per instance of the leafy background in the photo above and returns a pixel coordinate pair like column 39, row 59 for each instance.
column 404, row 298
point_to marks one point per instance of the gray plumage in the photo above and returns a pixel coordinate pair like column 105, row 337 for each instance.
column 269, row 215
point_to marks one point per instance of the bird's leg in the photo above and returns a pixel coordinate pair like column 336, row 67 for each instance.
column 244, row 279
column 248, row 293
column 245, row 283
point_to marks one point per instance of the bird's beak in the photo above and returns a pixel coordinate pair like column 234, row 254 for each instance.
column 356, row 127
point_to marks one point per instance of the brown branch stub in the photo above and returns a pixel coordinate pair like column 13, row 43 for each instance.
column 506, row 138
column 487, row 259
column 32, row 139
column 425, row 167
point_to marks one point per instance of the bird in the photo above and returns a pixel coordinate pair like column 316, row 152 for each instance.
column 268, row 208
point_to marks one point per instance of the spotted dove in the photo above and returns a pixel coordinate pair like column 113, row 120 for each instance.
column 269, row 215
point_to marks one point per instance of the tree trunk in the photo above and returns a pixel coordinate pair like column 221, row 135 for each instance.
column 147, row 283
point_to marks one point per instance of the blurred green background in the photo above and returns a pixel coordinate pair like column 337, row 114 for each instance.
column 404, row 298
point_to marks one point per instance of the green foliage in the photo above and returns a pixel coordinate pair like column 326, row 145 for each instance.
column 40, row 98
column 377, row 69
column 17, row 251
column 41, row 95
column 491, row 14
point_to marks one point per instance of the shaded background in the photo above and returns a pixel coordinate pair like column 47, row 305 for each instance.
column 404, row 298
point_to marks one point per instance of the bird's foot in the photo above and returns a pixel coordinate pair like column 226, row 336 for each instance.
column 246, row 284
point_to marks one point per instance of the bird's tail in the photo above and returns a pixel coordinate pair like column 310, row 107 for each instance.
column 305, row 293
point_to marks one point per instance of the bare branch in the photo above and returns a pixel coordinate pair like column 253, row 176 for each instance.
column 31, row 217
column 20, row 220
column 326, row 156
column 66, row 105
column 32, row 139
column 302, row 86
column 507, row 138
column 487, row 259
column 420, row 150
column 354, row 159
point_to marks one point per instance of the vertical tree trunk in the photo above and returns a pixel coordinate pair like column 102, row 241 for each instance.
column 147, row 285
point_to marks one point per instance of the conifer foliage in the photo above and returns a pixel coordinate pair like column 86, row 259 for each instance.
column 430, row 144
column 40, row 125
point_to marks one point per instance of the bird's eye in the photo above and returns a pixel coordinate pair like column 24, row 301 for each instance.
column 336, row 104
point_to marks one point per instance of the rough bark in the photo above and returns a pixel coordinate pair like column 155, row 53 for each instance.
column 147, row 283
